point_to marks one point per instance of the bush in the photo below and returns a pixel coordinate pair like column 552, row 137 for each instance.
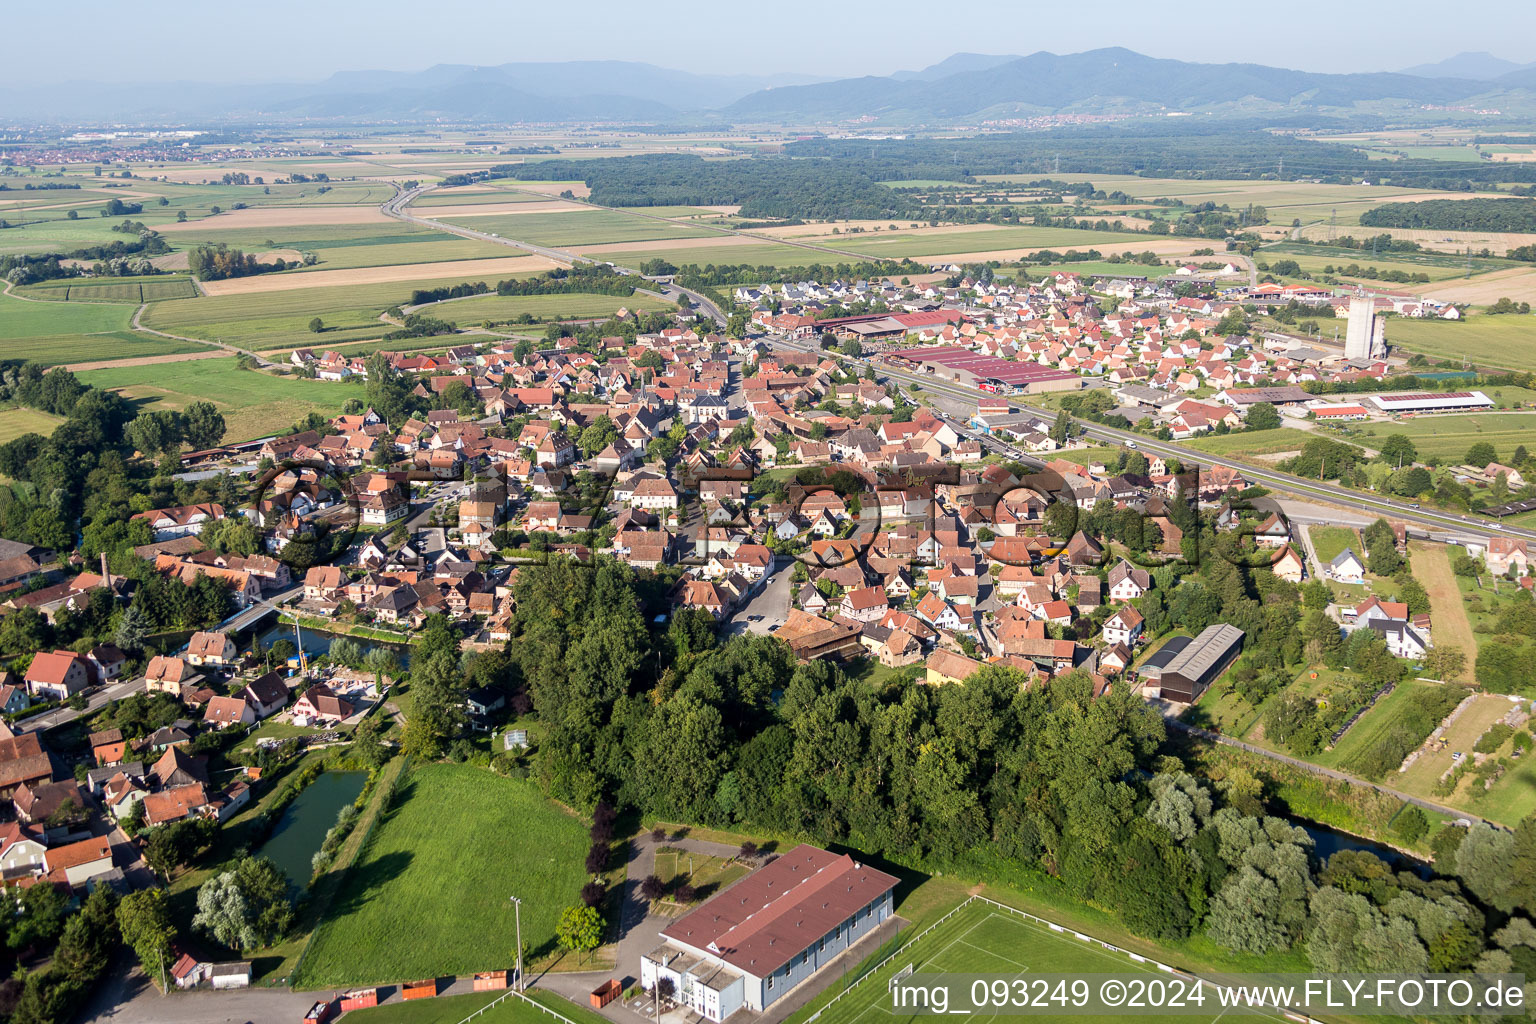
column 1411, row 825
column 1493, row 739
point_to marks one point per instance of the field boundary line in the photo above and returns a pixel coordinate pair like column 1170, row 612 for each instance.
column 893, row 955
column 530, row 1001
column 1165, row 968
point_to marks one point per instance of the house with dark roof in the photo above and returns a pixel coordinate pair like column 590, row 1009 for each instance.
column 756, row 941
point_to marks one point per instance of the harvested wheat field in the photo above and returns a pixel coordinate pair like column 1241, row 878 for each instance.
column 281, row 217
column 1172, row 247
column 1517, row 283
column 1431, row 564
column 468, row 270
column 501, row 209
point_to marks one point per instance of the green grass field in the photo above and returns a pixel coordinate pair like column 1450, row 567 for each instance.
column 60, row 333
column 897, row 245
column 580, row 227
column 429, row 895
column 1499, row 341
column 253, row 403
column 453, row 1009
column 1328, row 541
column 130, row 290
column 20, row 318
column 982, row 938
column 542, row 307
column 264, row 320
column 21, row 420
column 1448, row 437
column 1258, row 442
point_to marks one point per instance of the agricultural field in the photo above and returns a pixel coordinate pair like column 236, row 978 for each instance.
column 254, row 403
column 123, row 290
column 1437, row 266
column 968, row 239
column 543, row 308
column 1257, row 442
column 64, row 333
column 1498, row 341
column 273, row 320
column 983, row 938
column 20, row 420
column 1431, row 566
column 1447, row 438
column 584, row 227
column 439, row 868
column 718, row 249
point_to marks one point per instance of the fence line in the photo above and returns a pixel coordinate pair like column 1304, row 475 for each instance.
column 1165, row 968
column 893, row 955
column 508, row 994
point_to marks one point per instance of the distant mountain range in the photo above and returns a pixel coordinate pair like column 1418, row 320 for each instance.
column 963, row 88
column 1478, row 67
column 1105, row 81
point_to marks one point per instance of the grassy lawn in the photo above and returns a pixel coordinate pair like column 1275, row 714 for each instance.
column 1329, row 541
column 1503, row 341
column 1473, row 722
column 21, row 420
column 1431, row 565
column 983, row 938
column 429, row 896
column 1369, row 729
column 253, row 403
column 453, row 1009
column 271, row 319
column 1447, row 438
column 1224, row 711
column 708, row 875
column 1257, row 442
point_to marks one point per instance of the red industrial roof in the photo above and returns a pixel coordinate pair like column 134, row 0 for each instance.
column 774, row 914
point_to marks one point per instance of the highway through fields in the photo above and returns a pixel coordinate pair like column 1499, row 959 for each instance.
column 1449, row 524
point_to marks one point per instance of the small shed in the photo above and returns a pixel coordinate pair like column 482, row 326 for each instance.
column 419, row 989
column 235, row 974
column 490, row 981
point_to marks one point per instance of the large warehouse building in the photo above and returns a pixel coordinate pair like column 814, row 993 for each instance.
column 1432, row 401
column 1198, row 663
column 952, row 362
column 753, row 943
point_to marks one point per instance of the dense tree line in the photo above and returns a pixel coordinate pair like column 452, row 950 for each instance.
column 731, row 274
column 217, row 262
column 991, row 777
column 1455, row 215
column 595, row 278
column 25, row 269
column 764, row 187
column 1190, row 149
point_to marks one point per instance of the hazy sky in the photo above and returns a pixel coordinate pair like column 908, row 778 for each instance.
column 288, row 40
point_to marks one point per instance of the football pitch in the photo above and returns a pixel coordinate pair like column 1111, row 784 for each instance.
column 983, row 938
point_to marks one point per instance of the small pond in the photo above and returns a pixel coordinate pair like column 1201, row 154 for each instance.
column 305, row 822
column 1328, row 841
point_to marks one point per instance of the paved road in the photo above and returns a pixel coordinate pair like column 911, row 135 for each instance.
column 93, row 703
column 771, row 603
